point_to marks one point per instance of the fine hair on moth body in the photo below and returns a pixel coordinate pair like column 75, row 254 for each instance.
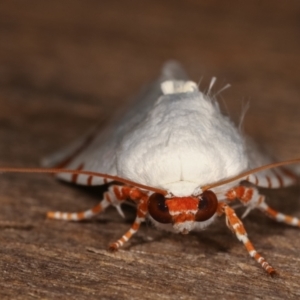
column 178, row 159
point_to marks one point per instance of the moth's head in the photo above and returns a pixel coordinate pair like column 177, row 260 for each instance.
column 182, row 212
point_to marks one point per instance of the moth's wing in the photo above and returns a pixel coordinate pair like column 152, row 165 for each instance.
column 63, row 157
column 272, row 178
column 96, row 151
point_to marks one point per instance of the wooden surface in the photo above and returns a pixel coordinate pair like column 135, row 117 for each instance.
column 64, row 66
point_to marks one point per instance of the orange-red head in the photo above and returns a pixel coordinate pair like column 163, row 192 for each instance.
column 182, row 212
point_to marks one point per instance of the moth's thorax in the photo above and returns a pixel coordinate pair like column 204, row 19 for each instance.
column 182, row 142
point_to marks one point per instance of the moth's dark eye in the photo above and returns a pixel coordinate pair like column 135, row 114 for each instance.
column 158, row 209
column 208, row 204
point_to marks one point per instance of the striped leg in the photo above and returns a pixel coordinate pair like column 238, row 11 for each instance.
column 278, row 216
column 136, row 195
column 236, row 225
column 114, row 196
column 250, row 197
column 243, row 194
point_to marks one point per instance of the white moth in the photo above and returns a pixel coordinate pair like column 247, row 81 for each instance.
column 179, row 159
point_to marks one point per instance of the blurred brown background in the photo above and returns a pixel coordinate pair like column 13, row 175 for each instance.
column 66, row 65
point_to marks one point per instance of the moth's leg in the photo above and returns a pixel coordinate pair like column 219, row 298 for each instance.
column 111, row 197
column 142, row 209
column 114, row 196
column 251, row 198
column 278, row 216
column 237, row 227
column 248, row 196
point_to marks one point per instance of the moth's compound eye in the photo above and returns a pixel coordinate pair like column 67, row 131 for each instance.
column 208, row 204
column 158, row 209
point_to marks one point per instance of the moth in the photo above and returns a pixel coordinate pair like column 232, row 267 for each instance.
column 179, row 159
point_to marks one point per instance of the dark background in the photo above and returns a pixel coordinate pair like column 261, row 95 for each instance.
column 66, row 65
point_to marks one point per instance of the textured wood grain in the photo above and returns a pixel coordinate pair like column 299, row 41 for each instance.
column 66, row 65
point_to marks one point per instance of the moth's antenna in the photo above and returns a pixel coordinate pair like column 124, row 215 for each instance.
column 81, row 172
column 247, row 173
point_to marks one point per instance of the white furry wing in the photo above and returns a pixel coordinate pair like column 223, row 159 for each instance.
column 272, row 178
column 96, row 151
